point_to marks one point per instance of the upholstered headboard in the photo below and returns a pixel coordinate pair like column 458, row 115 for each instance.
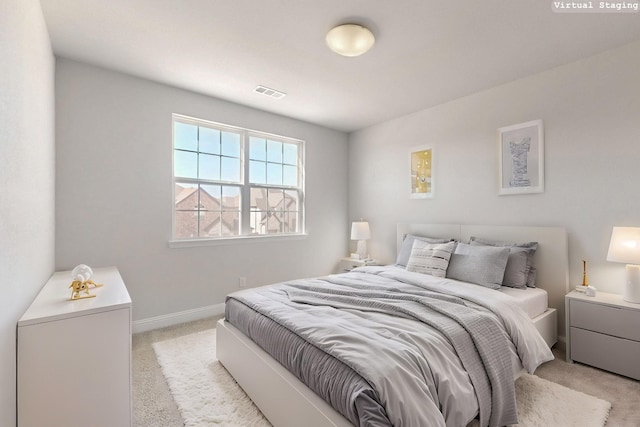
column 551, row 259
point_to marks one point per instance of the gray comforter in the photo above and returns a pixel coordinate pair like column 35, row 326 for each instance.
column 435, row 352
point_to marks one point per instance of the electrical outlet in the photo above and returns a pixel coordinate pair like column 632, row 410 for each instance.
column 242, row 282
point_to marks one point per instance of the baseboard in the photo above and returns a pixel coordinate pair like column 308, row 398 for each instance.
column 171, row 319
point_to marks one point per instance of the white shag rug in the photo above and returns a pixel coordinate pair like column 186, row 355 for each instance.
column 207, row 395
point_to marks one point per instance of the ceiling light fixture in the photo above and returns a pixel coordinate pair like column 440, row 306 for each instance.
column 350, row 39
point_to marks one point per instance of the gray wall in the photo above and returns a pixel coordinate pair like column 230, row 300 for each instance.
column 26, row 176
column 114, row 192
column 591, row 112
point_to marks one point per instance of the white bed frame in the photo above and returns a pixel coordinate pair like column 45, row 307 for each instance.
column 287, row 402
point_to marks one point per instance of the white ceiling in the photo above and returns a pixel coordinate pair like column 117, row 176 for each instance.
column 427, row 51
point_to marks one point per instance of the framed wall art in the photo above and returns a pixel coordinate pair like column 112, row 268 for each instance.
column 421, row 172
column 521, row 158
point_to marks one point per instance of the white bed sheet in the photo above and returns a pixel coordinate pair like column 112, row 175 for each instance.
column 534, row 301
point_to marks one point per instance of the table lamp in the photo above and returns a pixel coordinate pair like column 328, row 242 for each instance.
column 625, row 248
column 360, row 231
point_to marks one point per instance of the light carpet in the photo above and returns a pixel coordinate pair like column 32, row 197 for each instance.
column 207, row 395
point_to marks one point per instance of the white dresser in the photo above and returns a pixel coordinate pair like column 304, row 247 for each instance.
column 604, row 331
column 74, row 357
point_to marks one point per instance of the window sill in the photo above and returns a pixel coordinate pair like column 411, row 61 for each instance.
column 234, row 240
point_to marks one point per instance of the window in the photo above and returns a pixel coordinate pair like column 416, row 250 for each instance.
column 232, row 182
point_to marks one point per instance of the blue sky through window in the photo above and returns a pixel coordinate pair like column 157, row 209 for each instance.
column 205, row 153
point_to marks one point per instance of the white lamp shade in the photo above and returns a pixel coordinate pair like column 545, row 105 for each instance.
column 360, row 230
column 625, row 245
column 350, row 39
column 625, row 248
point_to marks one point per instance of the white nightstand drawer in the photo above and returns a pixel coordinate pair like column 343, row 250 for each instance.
column 616, row 321
column 610, row 353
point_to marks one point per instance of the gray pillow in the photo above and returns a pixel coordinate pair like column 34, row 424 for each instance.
column 482, row 265
column 430, row 258
column 518, row 274
column 407, row 246
column 531, row 280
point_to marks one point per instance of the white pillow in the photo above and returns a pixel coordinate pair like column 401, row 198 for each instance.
column 430, row 258
column 407, row 247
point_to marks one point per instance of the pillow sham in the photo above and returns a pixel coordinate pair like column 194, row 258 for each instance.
column 407, row 247
column 531, row 280
column 430, row 258
column 518, row 273
column 482, row 265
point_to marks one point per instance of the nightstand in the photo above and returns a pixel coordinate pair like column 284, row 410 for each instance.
column 348, row 264
column 603, row 331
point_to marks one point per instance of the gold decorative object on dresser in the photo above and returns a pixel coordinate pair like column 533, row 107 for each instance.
column 82, row 275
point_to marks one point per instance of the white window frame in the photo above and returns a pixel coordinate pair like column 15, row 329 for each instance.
column 244, row 185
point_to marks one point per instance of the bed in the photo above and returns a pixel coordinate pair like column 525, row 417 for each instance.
column 287, row 401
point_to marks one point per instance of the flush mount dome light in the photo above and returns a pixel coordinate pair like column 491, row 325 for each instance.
column 350, row 39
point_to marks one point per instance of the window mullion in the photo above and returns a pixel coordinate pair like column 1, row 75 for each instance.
column 198, row 211
column 245, row 199
column 198, row 228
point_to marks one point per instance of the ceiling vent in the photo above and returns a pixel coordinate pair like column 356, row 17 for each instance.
column 269, row 92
